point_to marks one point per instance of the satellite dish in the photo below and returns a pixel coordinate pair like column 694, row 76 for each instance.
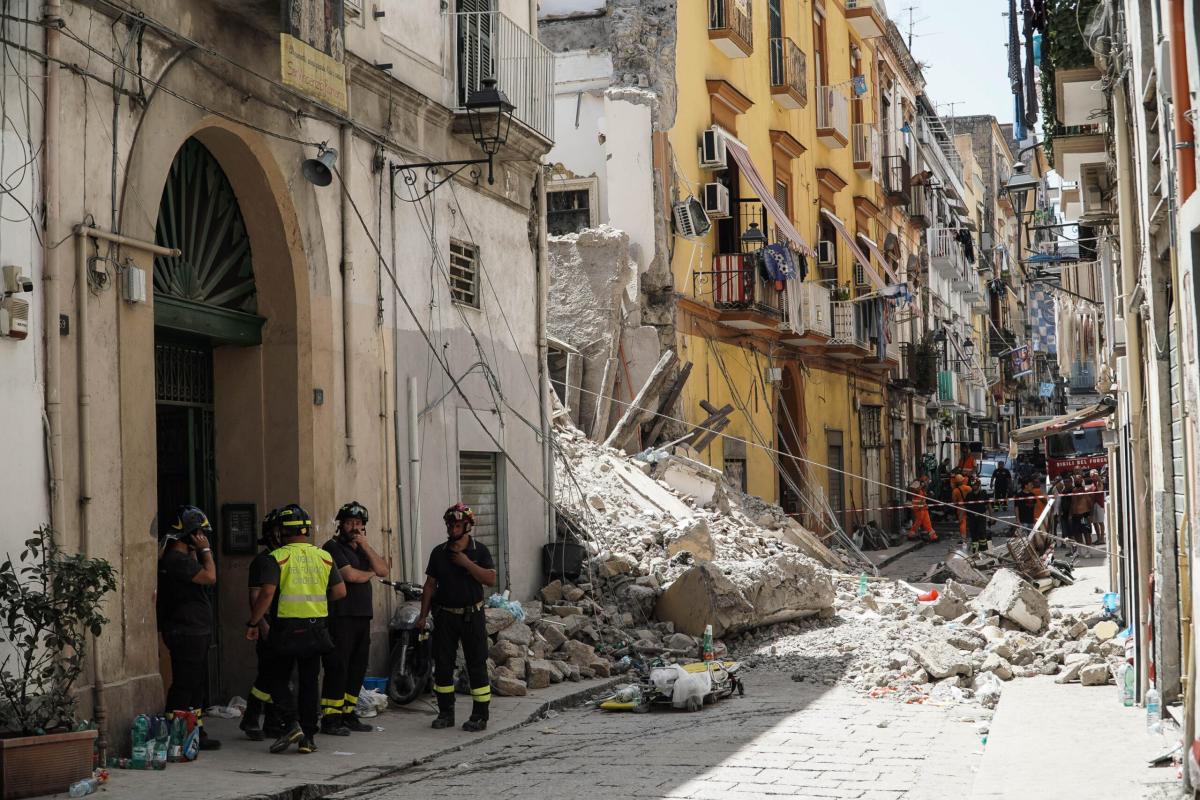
column 319, row 171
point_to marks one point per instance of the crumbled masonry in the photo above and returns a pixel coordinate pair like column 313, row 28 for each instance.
column 660, row 568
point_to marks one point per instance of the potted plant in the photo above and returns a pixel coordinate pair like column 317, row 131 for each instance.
column 49, row 603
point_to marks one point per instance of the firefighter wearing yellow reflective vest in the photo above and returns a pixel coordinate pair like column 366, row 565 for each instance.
column 458, row 570
column 294, row 597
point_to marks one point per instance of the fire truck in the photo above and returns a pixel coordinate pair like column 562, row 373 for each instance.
column 1078, row 449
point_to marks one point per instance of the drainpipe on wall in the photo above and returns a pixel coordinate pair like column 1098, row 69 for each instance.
column 414, row 480
column 82, row 339
column 543, row 268
column 1185, row 145
column 347, row 288
column 52, row 16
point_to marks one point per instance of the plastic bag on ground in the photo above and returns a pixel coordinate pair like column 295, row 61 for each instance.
column 231, row 710
column 370, row 703
column 511, row 606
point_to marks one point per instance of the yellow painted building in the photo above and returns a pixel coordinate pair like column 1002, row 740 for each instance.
column 793, row 90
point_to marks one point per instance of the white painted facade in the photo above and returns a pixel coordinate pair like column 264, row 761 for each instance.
column 24, row 489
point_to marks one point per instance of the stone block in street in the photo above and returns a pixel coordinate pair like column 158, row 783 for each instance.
column 1016, row 600
column 939, row 659
column 1094, row 675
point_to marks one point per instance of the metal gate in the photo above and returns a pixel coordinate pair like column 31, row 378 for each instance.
column 183, row 393
column 479, row 488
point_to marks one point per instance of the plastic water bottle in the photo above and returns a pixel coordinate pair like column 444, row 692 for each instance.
column 83, row 787
column 139, row 755
column 1125, row 680
column 1153, row 711
column 862, row 584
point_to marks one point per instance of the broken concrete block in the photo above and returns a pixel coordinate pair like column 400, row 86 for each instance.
column 703, row 596
column 1016, row 600
column 680, row 643
column 690, row 478
column 967, row 639
column 518, row 633
column 578, row 653
column 539, row 674
column 566, row 611
column 1103, row 631
column 497, row 619
column 572, row 593
column 997, row 666
column 1071, row 673
column 613, row 566
column 552, row 592
column 502, row 652
column 508, row 686
column 951, row 602
column 784, row 588
column 553, row 634
column 696, row 540
column 940, row 660
column 1094, row 675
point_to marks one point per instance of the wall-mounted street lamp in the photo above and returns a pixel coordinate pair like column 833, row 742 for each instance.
column 1020, row 188
column 753, row 239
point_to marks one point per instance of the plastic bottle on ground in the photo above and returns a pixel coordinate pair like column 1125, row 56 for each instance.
column 83, row 787
column 139, row 756
column 1125, row 681
column 1154, row 722
column 862, row 584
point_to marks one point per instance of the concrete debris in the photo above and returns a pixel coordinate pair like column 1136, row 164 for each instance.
column 1105, row 630
column 939, row 659
column 1094, row 675
column 1014, row 599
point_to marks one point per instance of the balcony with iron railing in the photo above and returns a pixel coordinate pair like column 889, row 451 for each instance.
column 490, row 45
column 851, row 339
column 731, row 28
column 945, row 253
column 897, row 179
column 920, row 209
column 864, row 140
column 807, row 318
column 789, row 70
column 833, row 116
column 1083, row 378
column 736, row 288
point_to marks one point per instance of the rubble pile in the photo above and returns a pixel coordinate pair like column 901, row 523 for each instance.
column 953, row 649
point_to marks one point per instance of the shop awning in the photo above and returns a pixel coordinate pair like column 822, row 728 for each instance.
column 861, row 257
column 879, row 257
column 775, row 211
column 1067, row 422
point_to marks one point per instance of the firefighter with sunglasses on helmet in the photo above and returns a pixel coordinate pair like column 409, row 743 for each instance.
column 457, row 571
column 349, row 622
column 186, row 570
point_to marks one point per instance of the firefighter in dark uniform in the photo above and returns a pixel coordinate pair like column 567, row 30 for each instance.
column 349, row 622
column 185, row 571
column 259, row 707
column 458, row 570
column 294, row 598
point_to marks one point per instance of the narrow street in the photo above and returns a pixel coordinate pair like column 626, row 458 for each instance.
column 782, row 738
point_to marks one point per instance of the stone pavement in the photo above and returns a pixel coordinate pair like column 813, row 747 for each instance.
column 242, row 768
column 782, row 739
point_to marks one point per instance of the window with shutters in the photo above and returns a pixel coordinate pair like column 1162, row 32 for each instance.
column 479, row 488
column 464, row 273
column 870, row 421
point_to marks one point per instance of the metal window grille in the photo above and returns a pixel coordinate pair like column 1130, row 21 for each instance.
column 464, row 273
column 870, row 420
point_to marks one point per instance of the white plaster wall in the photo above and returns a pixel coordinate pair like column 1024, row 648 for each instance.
column 24, row 490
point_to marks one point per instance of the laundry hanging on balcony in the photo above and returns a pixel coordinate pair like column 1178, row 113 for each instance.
column 859, row 256
column 765, row 196
column 779, row 264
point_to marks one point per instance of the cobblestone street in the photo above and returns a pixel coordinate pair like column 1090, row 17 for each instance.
column 782, row 738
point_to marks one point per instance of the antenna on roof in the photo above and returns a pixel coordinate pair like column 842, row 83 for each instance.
column 912, row 23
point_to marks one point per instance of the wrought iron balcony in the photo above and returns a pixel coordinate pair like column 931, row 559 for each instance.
column 789, row 68
column 945, row 253
column 492, row 45
column 865, row 148
column 850, row 339
column 920, row 211
column 1083, row 378
column 731, row 28
column 833, row 116
column 897, row 180
column 737, row 290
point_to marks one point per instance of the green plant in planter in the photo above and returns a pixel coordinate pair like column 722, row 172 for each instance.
column 49, row 603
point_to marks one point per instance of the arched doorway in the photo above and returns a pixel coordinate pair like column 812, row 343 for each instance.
column 204, row 299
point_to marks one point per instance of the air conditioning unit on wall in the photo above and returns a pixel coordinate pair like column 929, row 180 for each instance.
column 826, row 254
column 712, row 149
column 691, row 221
column 716, row 200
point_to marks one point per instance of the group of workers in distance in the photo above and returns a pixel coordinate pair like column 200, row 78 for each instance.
column 1080, row 498
column 311, row 610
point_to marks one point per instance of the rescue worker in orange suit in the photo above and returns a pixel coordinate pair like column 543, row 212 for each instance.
column 920, row 511
column 458, row 570
column 960, row 488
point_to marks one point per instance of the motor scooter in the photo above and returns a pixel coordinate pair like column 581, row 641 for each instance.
column 410, row 654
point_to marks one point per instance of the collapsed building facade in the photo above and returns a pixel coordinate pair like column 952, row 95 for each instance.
column 771, row 197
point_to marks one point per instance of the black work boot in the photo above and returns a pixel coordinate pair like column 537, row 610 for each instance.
column 290, row 736
column 356, row 725
column 479, row 718
column 445, row 717
column 272, row 726
column 251, row 718
column 332, row 725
